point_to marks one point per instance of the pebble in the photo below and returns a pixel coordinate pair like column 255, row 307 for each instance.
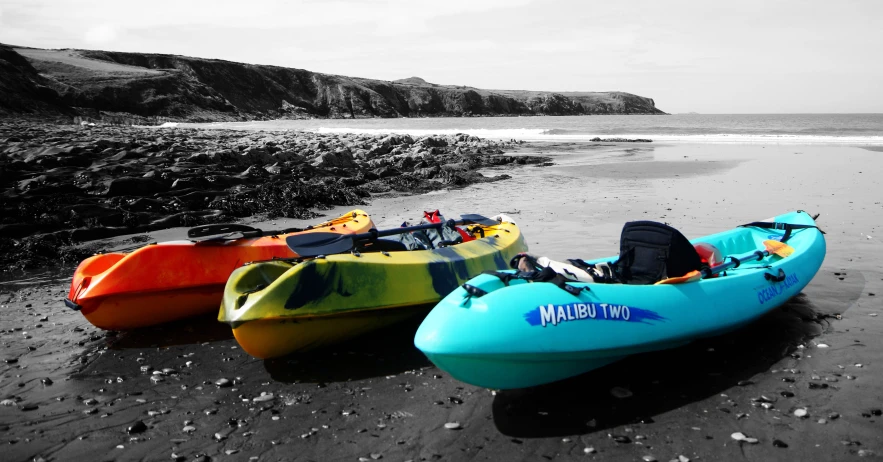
column 822, row 345
column 589, row 450
column 738, row 436
column 223, row 383
column 823, row 421
column 188, row 429
column 649, row 458
column 622, row 439
column 136, row 427
column 47, row 381
column 619, row 392
column 7, row 402
column 452, row 425
column 264, row 397
column 683, row 458
column 230, row 452
column 376, row 456
column 780, row 444
column 865, row 453
column 800, row 412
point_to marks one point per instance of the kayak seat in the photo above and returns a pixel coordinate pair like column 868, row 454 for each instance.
column 650, row 252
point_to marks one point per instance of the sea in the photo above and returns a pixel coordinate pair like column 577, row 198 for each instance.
column 838, row 129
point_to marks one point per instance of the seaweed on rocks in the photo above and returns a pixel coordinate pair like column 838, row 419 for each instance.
column 40, row 251
column 290, row 199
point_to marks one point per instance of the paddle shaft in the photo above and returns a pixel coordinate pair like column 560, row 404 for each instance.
column 733, row 262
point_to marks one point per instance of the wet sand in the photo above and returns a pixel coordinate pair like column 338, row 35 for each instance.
column 377, row 397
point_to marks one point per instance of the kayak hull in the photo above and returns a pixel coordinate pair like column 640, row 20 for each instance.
column 528, row 334
column 164, row 282
column 277, row 308
column 270, row 338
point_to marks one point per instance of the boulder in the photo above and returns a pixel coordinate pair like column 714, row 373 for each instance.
column 339, row 158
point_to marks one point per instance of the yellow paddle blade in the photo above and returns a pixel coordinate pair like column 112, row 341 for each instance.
column 778, row 248
column 689, row 277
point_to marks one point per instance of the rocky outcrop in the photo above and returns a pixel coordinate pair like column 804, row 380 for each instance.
column 63, row 183
column 193, row 89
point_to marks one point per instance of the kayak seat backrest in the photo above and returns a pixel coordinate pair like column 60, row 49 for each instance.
column 650, row 252
column 430, row 239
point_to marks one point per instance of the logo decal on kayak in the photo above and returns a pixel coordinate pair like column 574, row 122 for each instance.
column 544, row 315
column 766, row 294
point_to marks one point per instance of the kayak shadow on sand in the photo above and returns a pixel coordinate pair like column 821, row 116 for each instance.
column 659, row 381
column 199, row 329
column 388, row 351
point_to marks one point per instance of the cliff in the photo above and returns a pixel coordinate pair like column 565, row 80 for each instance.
column 195, row 89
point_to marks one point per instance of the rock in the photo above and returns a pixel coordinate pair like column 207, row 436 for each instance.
column 137, row 427
column 619, row 392
column 452, row 425
column 341, row 158
column 133, row 186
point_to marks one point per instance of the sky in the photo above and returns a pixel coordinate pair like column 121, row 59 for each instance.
column 750, row 56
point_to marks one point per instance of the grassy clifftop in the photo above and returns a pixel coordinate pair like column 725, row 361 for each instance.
column 195, row 89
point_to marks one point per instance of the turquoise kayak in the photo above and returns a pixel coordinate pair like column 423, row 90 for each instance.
column 524, row 334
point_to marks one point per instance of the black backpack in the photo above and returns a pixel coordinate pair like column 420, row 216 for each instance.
column 650, row 252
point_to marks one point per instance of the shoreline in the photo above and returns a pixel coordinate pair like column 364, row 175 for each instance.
column 378, row 396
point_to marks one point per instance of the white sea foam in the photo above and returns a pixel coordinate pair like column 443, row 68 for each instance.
column 508, row 133
column 536, row 134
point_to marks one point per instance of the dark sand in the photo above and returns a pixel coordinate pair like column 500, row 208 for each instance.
column 377, row 397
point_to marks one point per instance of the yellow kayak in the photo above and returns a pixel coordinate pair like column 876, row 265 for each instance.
column 279, row 307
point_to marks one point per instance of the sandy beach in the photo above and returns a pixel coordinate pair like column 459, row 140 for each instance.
column 186, row 391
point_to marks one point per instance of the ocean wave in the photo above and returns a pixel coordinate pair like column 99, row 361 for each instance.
column 538, row 134
column 508, row 133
